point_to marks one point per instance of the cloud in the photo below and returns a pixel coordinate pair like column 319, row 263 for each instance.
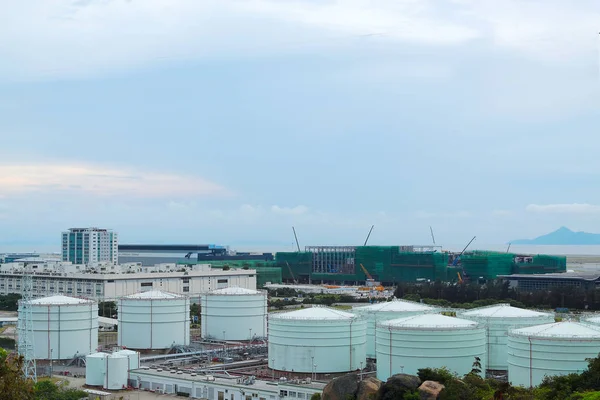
column 101, row 181
column 502, row 213
column 67, row 38
column 573, row 208
column 298, row 210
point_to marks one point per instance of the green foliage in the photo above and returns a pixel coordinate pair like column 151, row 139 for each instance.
column 7, row 343
column 195, row 311
column 12, row 383
column 315, row 396
column 107, row 309
column 10, row 302
column 48, row 390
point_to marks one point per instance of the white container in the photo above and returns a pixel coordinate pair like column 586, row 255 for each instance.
column 64, row 327
column 153, row 320
column 95, row 369
column 317, row 339
column 116, row 372
column 133, row 356
column 385, row 311
column 559, row 348
column 234, row 313
column 498, row 320
column 428, row 341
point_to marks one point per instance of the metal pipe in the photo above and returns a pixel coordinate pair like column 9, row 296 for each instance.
column 351, row 368
column 530, row 362
column 390, row 329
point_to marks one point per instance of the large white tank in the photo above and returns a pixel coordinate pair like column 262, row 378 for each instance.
column 498, row 320
column 153, row 320
column 405, row 345
column 595, row 320
column 95, row 369
column 559, row 348
column 116, row 372
column 317, row 339
column 234, row 313
column 64, row 327
column 385, row 311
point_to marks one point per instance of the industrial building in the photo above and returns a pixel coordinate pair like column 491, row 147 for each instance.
column 113, row 282
column 548, row 281
column 317, row 340
column 151, row 254
column 90, row 245
column 498, row 320
column 211, row 387
column 384, row 311
column 63, row 327
column 234, row 313
column 552, row 349
column 428, row 341
column 153, row 320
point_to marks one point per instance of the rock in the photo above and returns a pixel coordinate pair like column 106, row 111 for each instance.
column 408, row 382
column 368, row 388
column 430, row 390
column 341, row 388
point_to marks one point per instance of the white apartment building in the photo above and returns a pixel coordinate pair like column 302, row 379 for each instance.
column 90, row 245
column 111, row 282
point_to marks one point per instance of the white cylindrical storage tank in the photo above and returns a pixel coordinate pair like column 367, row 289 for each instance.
column 95, row 369
column 559, row 348
column 116, row 372
column 63, row 327
column 595, row 320
column 234, row 313
column 317, row 340
column 428, row 341
column 498, row 320
column 153, row 320
column 133, row 356
column 386, row 311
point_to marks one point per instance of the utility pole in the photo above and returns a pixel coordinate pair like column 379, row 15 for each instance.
column 25, row 327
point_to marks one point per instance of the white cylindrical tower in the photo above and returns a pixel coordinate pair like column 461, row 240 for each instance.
column 234, row 313
column 385, row 311
column 559, row 348
column 428, row 341
column 116, row 372
column 95, row 369
column 317, row 340
column 153, row 320
column 498, row 320
column 64, row 327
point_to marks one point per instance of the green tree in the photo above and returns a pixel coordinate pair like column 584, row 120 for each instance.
column 13, row 385
column 107, row 309
column 48, row 390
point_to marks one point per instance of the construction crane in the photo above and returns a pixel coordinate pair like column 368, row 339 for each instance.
column 25, row 327
column 461, row 279
column 370, row 281
column 432, row 237
column 296, row 237
column 291, row 273
column 369, row 235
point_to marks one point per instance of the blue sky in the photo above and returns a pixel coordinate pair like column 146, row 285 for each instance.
column 230, row 121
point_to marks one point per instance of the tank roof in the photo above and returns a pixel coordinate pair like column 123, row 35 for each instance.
column 595, row 320
column 234, row 290
column 153, row 294
column 429, row 321
column 504, row 311
column 59, row 299
column 395, row 306
column 315, row 313
column 565, row 329
column 98, row 355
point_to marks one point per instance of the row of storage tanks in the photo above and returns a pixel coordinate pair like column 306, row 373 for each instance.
column 405, row 336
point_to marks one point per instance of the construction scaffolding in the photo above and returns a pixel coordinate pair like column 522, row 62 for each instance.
column 486, row 264
column 539, row 264
column 332, row 259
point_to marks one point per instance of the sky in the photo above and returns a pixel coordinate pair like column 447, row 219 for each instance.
column 230, row 121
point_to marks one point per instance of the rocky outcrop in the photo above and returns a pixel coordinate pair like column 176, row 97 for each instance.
column 341, row 388
column 368, row 388
column 404, row 381
column 430, row 390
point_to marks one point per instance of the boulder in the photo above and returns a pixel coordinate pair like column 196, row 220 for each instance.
column 430, row 390
column 341, row 388
column 405, row 381
column 368, row 388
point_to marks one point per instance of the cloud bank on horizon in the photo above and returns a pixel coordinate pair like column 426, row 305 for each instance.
column 229, row 121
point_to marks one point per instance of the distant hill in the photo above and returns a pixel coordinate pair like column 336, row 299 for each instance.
column 563, row 237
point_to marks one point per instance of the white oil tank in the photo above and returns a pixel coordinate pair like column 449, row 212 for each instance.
column 153, row 320
column 558, row 348
column 317, row 340
column 595, row 320
column 234, row 313
column 116, row 372
column 133, row 356
column 385, row 311
column 95, row 369
column 63, row 327
column 498, row 320
column 405, row 345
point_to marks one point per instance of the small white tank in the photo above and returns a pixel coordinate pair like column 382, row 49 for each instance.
column 406, row 345
column 385, row 311
column 317, row 339
column 133, row 356
column 559, row 348
column 64, row 327
column 498, row 320
column 234, row 313
column 95, row 369
column 116, row 372
column 153, row 320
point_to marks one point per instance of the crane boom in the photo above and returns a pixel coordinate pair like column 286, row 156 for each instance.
column 296, row 237
column 369, row 235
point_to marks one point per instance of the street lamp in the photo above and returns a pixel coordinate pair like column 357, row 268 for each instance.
column 361, row 375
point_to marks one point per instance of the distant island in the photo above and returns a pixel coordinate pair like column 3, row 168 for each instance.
column 563, row 237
